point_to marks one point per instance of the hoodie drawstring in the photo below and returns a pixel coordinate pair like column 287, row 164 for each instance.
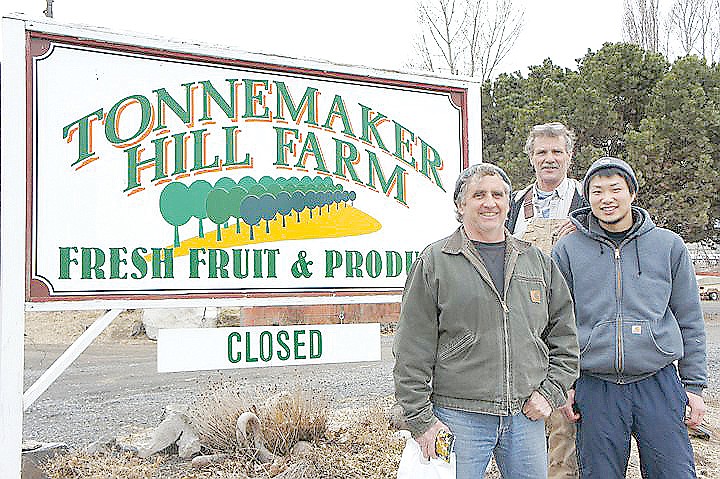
column 637, row 255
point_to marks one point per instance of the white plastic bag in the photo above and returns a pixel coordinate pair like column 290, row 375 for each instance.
column 414, row 466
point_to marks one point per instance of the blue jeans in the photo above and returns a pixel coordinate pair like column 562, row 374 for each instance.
column 651, row 410
column 517, row 443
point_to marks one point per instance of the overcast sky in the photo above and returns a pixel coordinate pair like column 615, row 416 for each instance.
column 375, row 33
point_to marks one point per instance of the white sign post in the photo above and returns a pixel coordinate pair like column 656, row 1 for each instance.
column 140, row 172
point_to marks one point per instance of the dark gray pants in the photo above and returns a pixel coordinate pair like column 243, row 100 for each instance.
column 652, row 410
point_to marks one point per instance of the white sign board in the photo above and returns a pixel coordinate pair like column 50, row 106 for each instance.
column 252, row 347
column 161, row 170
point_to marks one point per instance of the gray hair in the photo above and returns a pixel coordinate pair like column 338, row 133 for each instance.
column 477, row 171
column 554, row 129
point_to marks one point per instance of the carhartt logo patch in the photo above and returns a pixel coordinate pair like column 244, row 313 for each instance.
column 535, row 295
column 637, row 329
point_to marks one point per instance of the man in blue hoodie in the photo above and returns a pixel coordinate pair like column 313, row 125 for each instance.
column 638, row 312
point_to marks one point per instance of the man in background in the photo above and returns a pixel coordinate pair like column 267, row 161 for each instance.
column 538, row 214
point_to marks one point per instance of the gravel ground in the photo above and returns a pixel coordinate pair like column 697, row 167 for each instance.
column 114, row 389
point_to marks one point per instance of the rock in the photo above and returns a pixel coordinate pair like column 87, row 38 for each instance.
column 206, row 460
column 249, row 433
column 174, row 429
column 32, row 458
column 189, row 443
column 301, row 449
column 31, row 471
column 105, row 444
column 162, row 318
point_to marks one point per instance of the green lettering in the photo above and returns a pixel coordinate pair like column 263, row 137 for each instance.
column 345, row 156
column 218, row 259
column 134, row 163
column 116, row 261
column 266, row 346
column 373, row 263
column 431, row 162
column 298, row 344
column 311, row 147
column 233, row 337
column 248, row 357
column 254, row 98
column 394, row 264
column 271, row 261
column 283, row 146
column 397, row 179
column 159, row 261
column 195, row 261
column 84, row 129
column 337, row 109
column 282, row 338
column 138, row 260
column 165, row 99
column 209, row 92
column 333, row 260
column 308, row 104
column 113, row 119
column 92, row 262
column 315, row 344
column 369, row 126
column 353, row 262
column 66, row 260
column 199, row 137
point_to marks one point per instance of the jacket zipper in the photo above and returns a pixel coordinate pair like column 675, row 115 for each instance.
column 618, row 318
column 507, row 353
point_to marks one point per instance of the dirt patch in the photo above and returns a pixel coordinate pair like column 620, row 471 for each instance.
column 63, row 327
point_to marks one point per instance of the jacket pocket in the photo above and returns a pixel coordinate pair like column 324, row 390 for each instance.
column 528, row 296
column 647, row 351
column 598, row 353
column 455, row 345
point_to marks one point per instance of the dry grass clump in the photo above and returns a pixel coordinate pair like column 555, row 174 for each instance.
column 366, row 449
column 214, row 414
column 363, row 449
column 285, row 417
column 291, row 417
column 81, row 465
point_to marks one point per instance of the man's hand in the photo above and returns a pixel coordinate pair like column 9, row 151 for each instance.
column 697, row 410
column 567, row 408
column 537, row 407
column 564, row 229
column 427, row 440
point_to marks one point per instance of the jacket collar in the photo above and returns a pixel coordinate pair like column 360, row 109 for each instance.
column 459, row 239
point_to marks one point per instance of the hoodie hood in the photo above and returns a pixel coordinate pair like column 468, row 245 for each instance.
column 587, row 223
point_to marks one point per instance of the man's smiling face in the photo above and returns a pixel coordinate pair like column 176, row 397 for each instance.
column 551, row 161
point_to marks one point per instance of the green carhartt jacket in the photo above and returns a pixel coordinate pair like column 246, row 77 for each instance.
column 462, row 344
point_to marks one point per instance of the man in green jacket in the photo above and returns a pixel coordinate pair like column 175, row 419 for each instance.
column 486, row 345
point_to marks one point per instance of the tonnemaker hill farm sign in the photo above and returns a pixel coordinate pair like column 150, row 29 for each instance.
column 159, row 170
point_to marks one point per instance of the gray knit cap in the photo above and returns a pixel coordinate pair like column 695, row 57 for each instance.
column 604, row 163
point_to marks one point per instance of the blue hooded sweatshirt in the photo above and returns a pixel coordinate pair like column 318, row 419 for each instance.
column 637, row 305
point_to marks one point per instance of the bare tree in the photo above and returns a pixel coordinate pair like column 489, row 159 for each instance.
column 689, row 22
column 641, row 23
column 466, row 37
column 687, row 27
column 714, row 37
